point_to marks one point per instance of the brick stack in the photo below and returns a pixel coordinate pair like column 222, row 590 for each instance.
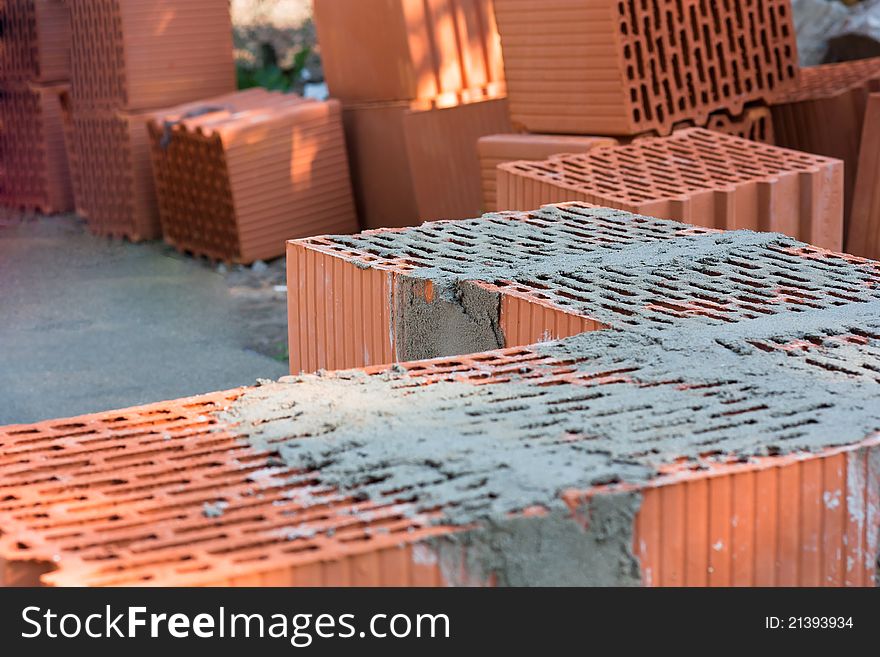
column 420, row 81
column 637, row 70
column 130, row 57
column 694, row 175
column 34, row 70
column 238, row 175
column 621, row 68
column 824, row 113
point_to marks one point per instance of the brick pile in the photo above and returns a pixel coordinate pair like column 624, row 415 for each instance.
column 824, row 114
column 238, row 175
column 420, row 82
column 694, row 175
column 129, row 58
column 638, row 70
column 719, row 430
column 34, row 70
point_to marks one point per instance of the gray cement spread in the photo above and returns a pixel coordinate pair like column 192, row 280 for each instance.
column 598, row 263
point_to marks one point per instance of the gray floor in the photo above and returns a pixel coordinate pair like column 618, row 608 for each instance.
column 89, row 325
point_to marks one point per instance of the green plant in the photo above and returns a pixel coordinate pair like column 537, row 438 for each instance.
column 272, row 76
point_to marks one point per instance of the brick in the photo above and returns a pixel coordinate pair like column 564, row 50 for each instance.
column 441, row 146
column 695, row 175
column 736, row 500
column 35, row 43
column 615, row 68
column 136, row 55
column 824, row 114
column 331, row 328
column 381, row 50
column 33, row 160
column 756, row 123
column 863, row 237
column 112, row 160
column 414, row 161
column 238, row 175
column 501, row 148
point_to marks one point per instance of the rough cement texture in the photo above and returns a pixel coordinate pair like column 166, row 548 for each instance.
column 91, row 325
column 565, row 255
column 515, row 551
column 463, row 319
column 483, row 451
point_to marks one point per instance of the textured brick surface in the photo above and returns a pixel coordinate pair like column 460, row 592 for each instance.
column 863, row 237
column 697, row 176
column 824, row 114
column 498, row 149
column 756, row 123
column 413, row 161
column 239, row 174
column 622, row 68
column 113, row 176
column 148, row 54
column 177, row 493
column 33, row 160
column 35, row 40
column 386, row 50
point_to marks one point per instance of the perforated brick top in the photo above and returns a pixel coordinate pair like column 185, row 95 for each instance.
column 688, row 161
column 828, row 80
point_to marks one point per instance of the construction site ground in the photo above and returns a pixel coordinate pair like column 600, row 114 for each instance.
column 91, row 324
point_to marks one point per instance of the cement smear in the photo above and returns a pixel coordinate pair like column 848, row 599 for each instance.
column 622, row 270
column 516, row 551
column 463, row 319
column 481, row 452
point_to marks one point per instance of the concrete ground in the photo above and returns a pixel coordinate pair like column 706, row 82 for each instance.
column 88, row 324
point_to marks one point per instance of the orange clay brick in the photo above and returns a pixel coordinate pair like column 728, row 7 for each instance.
column 697, row 176
column 238, row 175
column 756, row 124
column 354, row 301
column 137, row 55
column 825, row 112
column 35, row 41
column 863, row 238
column 512, row 147
column 112, row 164
column 33, row 161
column 623, row 68
column 393, row 50
column 178, row 494
column 413, row 162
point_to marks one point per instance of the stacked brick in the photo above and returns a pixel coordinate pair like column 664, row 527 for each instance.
column 129, row 58
column 694, row 175
column 718, row 432
column 236, row 176
column 420, row 82
column 623, row 68
column 824, row 113
column 863, row 237
column 34, row 70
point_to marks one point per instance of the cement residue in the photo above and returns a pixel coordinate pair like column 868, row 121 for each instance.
column 485, row 451
column 629, row 281
column 516, row 551
column 463, row 319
